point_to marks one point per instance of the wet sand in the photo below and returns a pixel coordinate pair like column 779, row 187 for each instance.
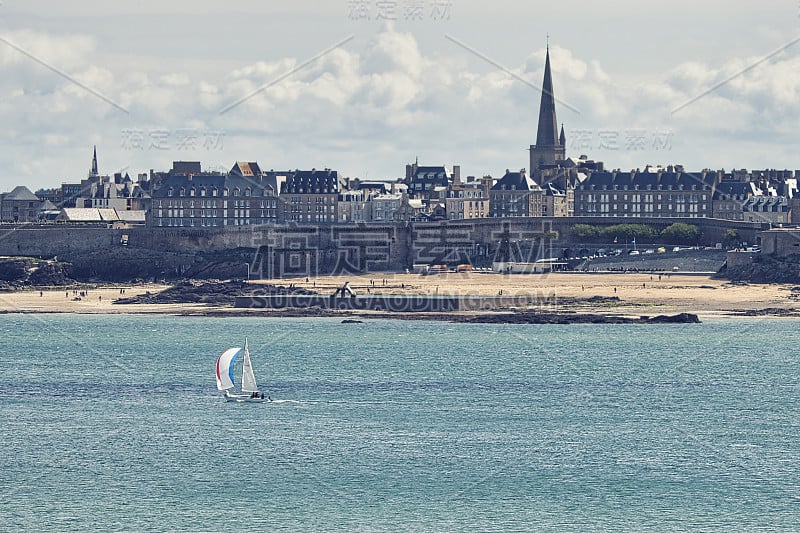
column 637, row 293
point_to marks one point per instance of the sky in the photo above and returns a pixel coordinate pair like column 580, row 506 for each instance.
column 367, row 86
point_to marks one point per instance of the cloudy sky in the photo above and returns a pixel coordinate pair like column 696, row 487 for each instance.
column 365, row 87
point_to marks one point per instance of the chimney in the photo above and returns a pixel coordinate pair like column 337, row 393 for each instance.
column 456, row 174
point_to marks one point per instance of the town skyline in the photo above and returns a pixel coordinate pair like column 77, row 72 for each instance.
column 368, row 95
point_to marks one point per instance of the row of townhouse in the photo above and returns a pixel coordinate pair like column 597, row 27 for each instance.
column 760, row 196
column 188, row 196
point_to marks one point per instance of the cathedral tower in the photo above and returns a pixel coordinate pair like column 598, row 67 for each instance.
column 549, row 146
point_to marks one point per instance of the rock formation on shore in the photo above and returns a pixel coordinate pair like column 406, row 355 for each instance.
column 765, row 269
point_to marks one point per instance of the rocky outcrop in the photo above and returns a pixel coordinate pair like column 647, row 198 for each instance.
column 764, row 269
column 215, row 292
column 578, row 318
column 22, row 272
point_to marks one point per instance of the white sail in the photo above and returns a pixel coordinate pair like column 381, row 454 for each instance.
column 248, row 378
column 224, row 368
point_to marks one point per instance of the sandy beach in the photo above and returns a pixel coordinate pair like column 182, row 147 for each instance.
column 637, row 294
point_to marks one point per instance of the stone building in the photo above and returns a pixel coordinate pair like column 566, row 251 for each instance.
column 311, row 196
column 773, row 209
column 730, row 197
column 427, row 182
column 468, row 199
column 19, row 205
column 244, row 196
column 670, row 193
column 515, row 195
column 555, row 202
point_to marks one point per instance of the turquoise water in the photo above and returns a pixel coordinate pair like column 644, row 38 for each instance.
column 114, row 423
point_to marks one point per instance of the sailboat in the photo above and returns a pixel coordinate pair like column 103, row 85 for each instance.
column 249, row 388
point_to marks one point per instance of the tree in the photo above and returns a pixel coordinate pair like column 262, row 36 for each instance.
column 731, row 238
column 628, row 232
column 584, row 232
column 681, row 233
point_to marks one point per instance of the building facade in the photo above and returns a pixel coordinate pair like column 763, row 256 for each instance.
column 646, row 194
column 311, row 196
column 19, row 205
column 515, row 195
column 213, row 199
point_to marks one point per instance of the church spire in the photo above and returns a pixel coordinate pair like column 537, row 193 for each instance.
column 94, row 171
column 547, row 134
column 550, row 147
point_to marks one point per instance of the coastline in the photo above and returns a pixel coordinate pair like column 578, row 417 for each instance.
column 612, row 294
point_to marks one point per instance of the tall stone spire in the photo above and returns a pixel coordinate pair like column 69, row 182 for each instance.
column 548, row 125
column 94, row 171
column 562, row 139
column 549, row 148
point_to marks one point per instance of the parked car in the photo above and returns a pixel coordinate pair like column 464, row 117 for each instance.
column 649, row 251
column 633, row 252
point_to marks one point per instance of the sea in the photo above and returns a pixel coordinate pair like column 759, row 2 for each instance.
column 114, row 423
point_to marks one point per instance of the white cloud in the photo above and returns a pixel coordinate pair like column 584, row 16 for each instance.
column 372, row 105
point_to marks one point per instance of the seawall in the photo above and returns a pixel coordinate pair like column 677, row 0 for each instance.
column 296, row 250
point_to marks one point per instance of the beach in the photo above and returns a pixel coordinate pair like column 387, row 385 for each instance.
column 619, row 293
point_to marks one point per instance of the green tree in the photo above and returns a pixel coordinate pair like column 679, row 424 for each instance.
column 584, row 232
column 627, row 232
column 731, row 238
column 681, row 233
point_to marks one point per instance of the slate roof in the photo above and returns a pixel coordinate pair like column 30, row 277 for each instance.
column 515, row 181
column 437, row 174
column 766, row 204
column 551, row 190
column 644, row 181
column 312, row 182
column 21, row 193
column 729, row 190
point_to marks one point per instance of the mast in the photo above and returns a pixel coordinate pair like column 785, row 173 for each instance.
column 248, row 378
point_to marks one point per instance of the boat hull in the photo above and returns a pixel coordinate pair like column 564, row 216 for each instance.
column 244, row 398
